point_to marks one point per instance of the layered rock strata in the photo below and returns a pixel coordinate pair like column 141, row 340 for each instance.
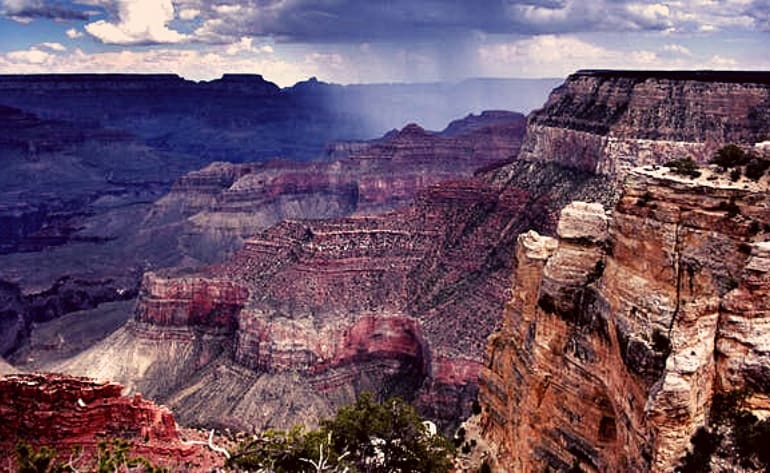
column 63, row 412
column 612, row 121
column 380, row 303
column 619, row 333
column 225, row 203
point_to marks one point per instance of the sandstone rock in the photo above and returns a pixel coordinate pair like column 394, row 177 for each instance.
column 613, row 346
column 62, row 412
column 613, row 121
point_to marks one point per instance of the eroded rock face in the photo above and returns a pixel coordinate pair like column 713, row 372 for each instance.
column 223, row 204
column 63, row 412
column 612, row 121
column 397, row 303
column 614, row 344
column 193, row 301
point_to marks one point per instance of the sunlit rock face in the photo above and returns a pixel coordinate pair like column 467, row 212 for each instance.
column 619, row 332
column 612, row 121
column 63, row 412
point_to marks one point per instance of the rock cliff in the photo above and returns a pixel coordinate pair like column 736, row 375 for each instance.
column 612, row 121
column 620, row 332
column 63, row 412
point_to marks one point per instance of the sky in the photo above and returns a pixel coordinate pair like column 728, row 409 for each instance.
column 364, row 41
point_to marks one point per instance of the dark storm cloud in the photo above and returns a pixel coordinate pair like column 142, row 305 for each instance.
column 356, row 20
column 32, row 9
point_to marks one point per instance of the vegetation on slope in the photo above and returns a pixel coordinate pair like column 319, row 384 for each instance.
column 366, row 437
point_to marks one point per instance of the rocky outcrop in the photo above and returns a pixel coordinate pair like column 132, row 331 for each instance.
column 618, row 335
column 612, row 121
column 63, row 412
column 193, row 301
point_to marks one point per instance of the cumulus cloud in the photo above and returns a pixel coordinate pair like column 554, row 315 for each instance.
column 73, row 33
column 53, row 46
column 677, row 50
column 32, row 56
column 191, row 64
column 356, row 21
column 138, row 22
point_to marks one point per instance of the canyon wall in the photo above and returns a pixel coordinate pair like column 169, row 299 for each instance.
column 611, row 121
column 225, row 203
column 620, row 332
column 380, row 303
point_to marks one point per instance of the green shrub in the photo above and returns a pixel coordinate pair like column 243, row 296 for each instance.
column 684, row 167
column 367, row 436
column 730, row 156
column 112, row 456
column 756, row 168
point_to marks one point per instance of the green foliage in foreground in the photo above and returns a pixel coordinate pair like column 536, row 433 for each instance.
column 364, row 437
column 111, row 457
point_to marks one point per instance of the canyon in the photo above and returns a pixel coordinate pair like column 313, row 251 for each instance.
column 629, row 310
column 622, row 330
column 208, row 213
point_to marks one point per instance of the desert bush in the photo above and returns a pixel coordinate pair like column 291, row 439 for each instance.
column 111, row 457
column 367, row 436
column 730, row 156
column 684, row 167
column 756, row 168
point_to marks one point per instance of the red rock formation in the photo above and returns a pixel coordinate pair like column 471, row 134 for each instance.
column 225, row 203
column 190, row 301
column 612, row 121
column 382, row 303
column 63, row 412
column 615, row 342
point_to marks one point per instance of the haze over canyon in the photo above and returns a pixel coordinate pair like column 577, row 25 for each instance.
column 576, row 289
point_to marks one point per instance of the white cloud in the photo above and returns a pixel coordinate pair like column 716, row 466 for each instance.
column 73, row 33
column 543, row 49
column 188, row 14
column 139, row 22
column 191, row 64
column 554, row 56
column 677, row 50
column 245, row 45
column 720, row 62
column 53, row 46
column 30, row 56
